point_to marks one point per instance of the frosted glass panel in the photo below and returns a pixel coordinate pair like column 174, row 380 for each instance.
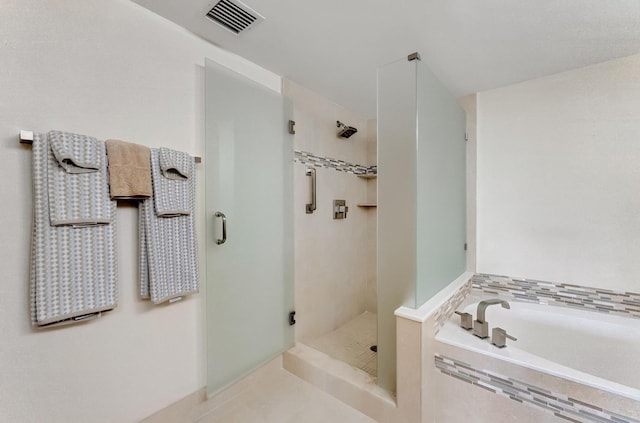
column 421, row 196
column 249, row 162
column 441, row 188
column 396, row 206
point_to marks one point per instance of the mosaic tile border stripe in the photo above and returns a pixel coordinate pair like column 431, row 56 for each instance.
column 560, row 405
column 447, row 309
column 619, row 303
column 339, row 165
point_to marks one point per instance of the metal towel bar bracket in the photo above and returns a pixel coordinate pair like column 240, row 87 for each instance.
column 26, row 137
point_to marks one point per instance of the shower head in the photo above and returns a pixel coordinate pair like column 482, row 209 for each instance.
column 345, row 131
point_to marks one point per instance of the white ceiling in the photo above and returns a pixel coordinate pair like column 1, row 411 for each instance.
column 334, row 47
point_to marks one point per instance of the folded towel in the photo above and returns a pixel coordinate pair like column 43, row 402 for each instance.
column 172, row 176
column 168, row 247
column 78, row 185
column 73, row 269
column 76, row 153
column 175, row 164
column 129, row 170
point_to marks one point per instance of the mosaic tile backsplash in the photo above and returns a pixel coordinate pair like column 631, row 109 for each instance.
column 339, row 165
column 560, row 294
column 443, row 313
column 563, row 406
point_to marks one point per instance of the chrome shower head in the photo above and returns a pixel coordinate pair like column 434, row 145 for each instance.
column 345, row 131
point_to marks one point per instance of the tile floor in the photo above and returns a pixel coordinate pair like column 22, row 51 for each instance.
column 273, row 395
column 351, row 343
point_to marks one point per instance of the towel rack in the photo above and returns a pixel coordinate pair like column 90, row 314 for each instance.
column 26, row 137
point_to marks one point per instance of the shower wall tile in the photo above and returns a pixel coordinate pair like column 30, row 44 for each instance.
column 339, row 165
column 333, row 258
column 330, row 261
column 316, row 129
column 372, row 221
column 626, row 304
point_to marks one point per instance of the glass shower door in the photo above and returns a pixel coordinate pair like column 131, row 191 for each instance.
column 249, row 229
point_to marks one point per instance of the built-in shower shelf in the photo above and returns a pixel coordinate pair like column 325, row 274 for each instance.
column 368, row 176
column 368, row 205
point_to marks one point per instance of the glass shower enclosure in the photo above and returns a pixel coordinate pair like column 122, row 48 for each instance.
column 421, row 196
column 249, row 230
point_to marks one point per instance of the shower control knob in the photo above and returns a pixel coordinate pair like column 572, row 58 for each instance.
column 340, row 209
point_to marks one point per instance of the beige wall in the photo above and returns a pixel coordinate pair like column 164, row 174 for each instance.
column 559, row 177
column 334, row 259
column 106, row 69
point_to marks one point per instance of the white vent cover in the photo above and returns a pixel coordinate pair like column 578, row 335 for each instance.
column 234, row 16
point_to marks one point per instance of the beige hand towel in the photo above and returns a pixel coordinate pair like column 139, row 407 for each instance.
column 129, row 170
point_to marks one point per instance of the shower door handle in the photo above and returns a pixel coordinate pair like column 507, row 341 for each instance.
column 312, row 206
column 224, row 228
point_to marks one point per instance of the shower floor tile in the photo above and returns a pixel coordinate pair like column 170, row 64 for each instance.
column 351, row 343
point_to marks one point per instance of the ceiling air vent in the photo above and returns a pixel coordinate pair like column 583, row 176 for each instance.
column 234, row 15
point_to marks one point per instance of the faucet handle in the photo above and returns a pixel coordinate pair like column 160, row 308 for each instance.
column 499, row 337
column 466, row 320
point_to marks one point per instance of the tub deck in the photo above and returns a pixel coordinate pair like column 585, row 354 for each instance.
column 584, row 362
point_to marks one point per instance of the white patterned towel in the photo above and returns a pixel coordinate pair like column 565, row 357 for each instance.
column 78, row 180
column 168, row 248
column 73, row 269
column 172, row 177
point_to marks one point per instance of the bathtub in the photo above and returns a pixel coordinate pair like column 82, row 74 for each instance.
column 589, row 348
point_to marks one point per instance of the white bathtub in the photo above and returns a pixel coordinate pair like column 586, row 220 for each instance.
column 590, row 348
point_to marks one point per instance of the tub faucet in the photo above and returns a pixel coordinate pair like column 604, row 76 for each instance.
column 480, row 325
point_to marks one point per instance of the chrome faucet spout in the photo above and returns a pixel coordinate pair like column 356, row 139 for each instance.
column 482, row 306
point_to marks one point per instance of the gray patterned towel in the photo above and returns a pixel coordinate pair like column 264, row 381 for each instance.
column 172, row 178
column 78, row 180
column 168, row 248
column 73, row 269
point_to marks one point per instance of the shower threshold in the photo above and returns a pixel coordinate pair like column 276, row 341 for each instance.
column 340, row 379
